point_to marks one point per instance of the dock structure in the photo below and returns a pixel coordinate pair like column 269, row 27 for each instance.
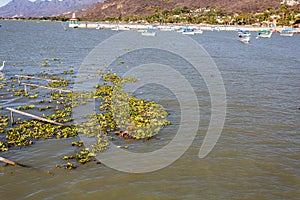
column 35, row 78
column 204, row 27
column 40, row 86
column 45, row 87
column 32, row 116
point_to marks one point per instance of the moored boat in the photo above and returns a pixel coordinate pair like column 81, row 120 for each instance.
column 148, row 32
column 242, row 33
column 244, row 36
column 190, row 31
column 198, row 31
column 287, row 32
column 244, row 39
column 266, row 33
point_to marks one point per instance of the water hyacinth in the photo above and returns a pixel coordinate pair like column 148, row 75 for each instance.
column 118, row 114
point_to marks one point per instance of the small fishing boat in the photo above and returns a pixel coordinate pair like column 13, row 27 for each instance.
column 244, row 39
column 215, row 28
column 198, row 31
column 287, row 32
column 264, row 33
column 115, row 28
column 244, row 36
column 243, row 33
column 187, row 31
column 148, row 33
column 190, row 30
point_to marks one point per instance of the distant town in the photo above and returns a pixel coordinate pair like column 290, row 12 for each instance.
column 282, row 17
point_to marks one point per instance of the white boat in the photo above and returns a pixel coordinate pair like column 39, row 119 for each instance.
column 188, row 33
column 148, row 33
column 190, row 30
column 116, row 28
column 264, row 33
column 124, row 28
column 166, row 28
column 242, row 33
column 244, row 36
column 198, row 31
column 215, row 28
column 244, row 39
column 287, row 32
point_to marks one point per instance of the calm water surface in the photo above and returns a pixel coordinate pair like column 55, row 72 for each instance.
column 256, row 157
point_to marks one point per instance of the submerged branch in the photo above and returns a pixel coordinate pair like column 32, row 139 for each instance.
column 12, row 162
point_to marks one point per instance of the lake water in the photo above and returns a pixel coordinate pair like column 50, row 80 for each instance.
column 256, row 157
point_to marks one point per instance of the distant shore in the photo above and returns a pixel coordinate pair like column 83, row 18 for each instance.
column 204, row 27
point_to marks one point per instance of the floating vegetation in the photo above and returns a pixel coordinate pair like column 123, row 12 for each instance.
column 119, row 114
column 25, row 107
column 78, row 144
column 54, row 59
column 70, row 166
column 45, row 63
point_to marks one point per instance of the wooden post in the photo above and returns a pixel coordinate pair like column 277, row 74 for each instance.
column 11, row 118
column 25, row 89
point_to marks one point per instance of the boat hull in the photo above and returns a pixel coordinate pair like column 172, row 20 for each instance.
column 151, row 34
column 264, row 34
column 244, row 39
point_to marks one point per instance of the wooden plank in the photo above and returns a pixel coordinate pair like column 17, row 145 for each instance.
column 35, row 117
column 7, row 161
column 36, row 78
column 12, row 162
column 45, row 87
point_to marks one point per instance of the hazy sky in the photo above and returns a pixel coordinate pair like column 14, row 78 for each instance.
column 4, row 2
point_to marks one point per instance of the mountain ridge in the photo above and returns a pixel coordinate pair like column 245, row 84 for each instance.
column 40, row 8
column 115, row 8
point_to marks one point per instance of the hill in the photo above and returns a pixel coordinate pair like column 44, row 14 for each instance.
column 110, row 8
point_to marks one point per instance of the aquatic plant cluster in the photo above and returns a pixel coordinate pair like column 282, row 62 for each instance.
column 118, row 115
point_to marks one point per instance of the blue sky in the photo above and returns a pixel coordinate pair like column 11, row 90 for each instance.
column 4, row 2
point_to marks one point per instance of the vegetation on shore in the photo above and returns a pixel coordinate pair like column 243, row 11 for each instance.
column 284, row 16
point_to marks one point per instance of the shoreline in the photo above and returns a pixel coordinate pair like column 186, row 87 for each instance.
column 165, row 27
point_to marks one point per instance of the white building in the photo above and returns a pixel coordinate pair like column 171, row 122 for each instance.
column 291, row 2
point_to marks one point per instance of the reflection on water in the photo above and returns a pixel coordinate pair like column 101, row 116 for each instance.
column 257, row 156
